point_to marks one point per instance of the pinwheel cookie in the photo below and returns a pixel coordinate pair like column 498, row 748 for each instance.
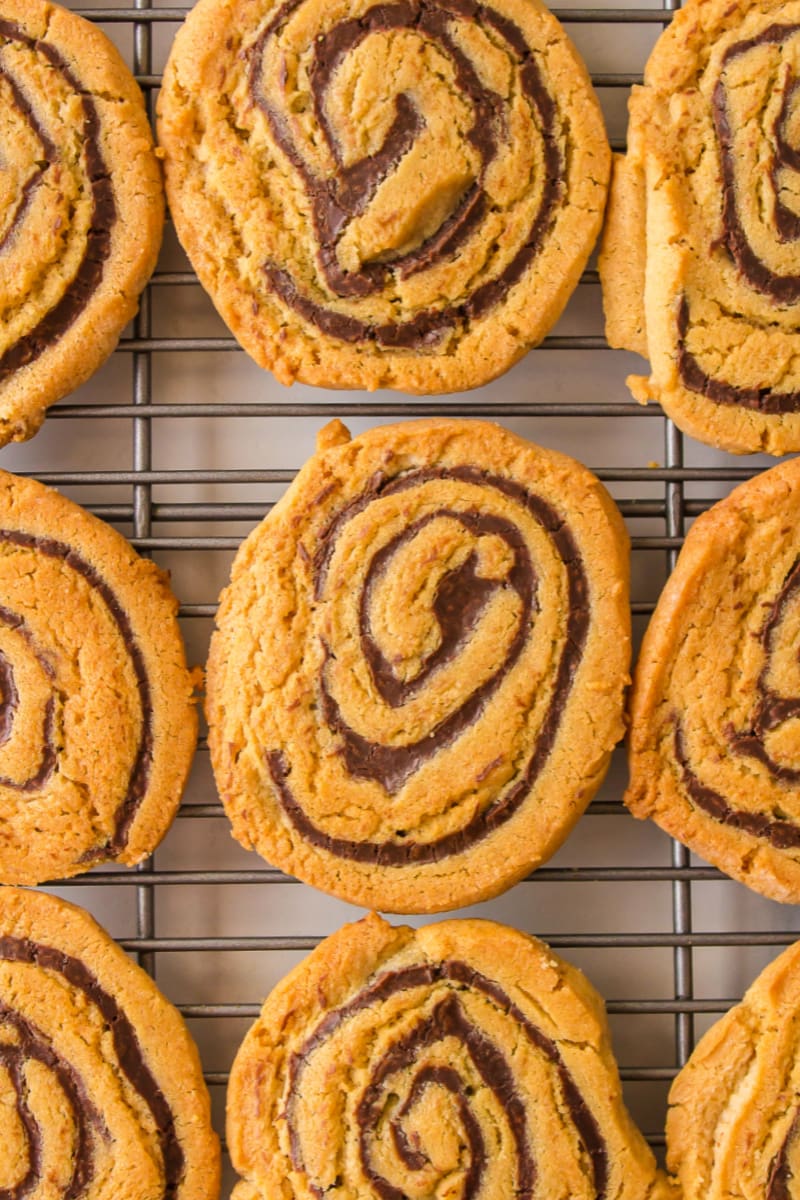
column 416, row 682
column 462, row 1059
column 101, row 1087
column 97, row 720
column 383, row 195
column 81, row 203
column 715, row 712
column 734, row 1118
column 701, row 257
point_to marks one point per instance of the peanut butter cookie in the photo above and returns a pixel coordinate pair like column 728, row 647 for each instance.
column 383, row 195
column 82, row 205
column 462, row 1059
column 97, row 719
column 715, row 708
column 101, row 1087
column 416, row 681
column 701, row 255
column 734, row 1117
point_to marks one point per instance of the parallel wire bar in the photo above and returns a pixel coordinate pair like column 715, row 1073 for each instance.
column 142, row 492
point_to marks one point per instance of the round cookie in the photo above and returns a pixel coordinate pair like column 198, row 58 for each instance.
column 416, row 681
column 734, row 1118
column 461, row 1059
column 82, row 205
column 97, row 718
column 101, row 1086
column 701, row 255
column 383, row 195
column 715, row 707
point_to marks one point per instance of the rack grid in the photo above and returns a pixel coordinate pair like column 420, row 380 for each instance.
column 162, row 442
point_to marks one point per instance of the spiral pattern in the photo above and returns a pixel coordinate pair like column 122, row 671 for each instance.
column 89, row 1106
column 419, row 170
column 406, row 706
column 715, row 755
column 76, row 242
column 733, row 1123
column 88, row 687
column 713, row 170
column 424, row 1068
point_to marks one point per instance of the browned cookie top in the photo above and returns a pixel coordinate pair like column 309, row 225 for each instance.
column 97, row 722
column 398, row 194
column 715, row 710
column 417, row 677
column 101, row 1087
column 463, row 1059
column 701, row 258
column 82, row 205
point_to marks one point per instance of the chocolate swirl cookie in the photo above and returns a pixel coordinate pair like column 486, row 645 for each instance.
column 101, row 1087
column 733, row 1127
column 391, row 194
column 701, row 257
column 715, row 710
column 97, row 720
column 416, row 681
column 81, row 203
column 462, row 1059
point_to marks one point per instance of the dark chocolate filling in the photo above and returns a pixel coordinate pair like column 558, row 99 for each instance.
column 448, row 1019
column 129, row 1056
column 693, row 377
column 49, row 155
column 783, row 289
column 335, row 202
column 140, row 771
column 10, row 703
column 57, row 321
column 771, row 711
column 780, row 1173
column 391, row 766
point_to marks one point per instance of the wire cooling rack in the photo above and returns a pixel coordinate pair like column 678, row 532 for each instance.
column 183, row 443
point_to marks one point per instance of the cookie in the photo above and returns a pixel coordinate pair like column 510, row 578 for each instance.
column 82, row 205
column 734, row 1117
column 101, row 1086
column 461, row 1059
column 701, row 256
column 715, row 736
column 383, row 195
column 416, row 680
column 97, row 719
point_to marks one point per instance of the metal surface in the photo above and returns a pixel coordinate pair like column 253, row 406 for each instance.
column 183, row 444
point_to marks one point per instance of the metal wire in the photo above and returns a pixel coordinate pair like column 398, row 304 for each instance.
column 150, row 509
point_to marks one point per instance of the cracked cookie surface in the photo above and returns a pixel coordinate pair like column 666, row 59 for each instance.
column 383, row 195
column 416, row 680
column 701, row 254
column 715, row 707
column 97, row 719
column 82, row 204
column 734, row 1120
column 101, row 1088
column 462, row 1059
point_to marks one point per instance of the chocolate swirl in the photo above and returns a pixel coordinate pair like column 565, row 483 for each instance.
column 101, row 1087
column 45, row 329
column 460, row 598
column 403, row 1068
column 434, row 685
column 399, row 195
column 780, row 224
column 462, row 1059
column 337, row 200
column 52, row 734
column 770, row 712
